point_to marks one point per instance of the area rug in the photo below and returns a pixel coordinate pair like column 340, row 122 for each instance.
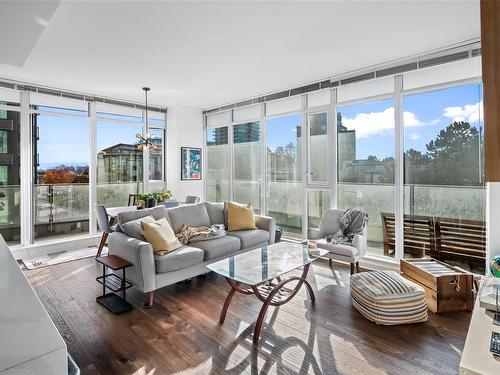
column 63, row 256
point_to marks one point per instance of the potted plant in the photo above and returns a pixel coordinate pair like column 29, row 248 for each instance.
column 162, row 195
column 148, row 198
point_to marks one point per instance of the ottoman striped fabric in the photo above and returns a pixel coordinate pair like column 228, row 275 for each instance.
column 385, row 297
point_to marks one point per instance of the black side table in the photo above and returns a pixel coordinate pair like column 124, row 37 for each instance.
column 112, row 301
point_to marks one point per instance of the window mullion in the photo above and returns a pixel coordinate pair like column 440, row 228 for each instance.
column 399, row 166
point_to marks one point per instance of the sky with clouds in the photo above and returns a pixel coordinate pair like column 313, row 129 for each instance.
column 64, row 140
column 424, row 116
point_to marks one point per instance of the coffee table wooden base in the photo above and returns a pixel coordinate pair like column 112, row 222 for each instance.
column 271, row 294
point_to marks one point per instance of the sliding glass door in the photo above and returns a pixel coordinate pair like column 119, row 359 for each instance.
column 284, row 173
column 247, row 161
column 365, row 165
column 61, row 171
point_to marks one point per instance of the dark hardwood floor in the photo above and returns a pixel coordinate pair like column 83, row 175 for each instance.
column 181, row 333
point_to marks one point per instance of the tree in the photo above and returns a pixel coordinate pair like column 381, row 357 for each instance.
column 454, row 155
column 451, row 159
column 63, row 174
column 372, row 158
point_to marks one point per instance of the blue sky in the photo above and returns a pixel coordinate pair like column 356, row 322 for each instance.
column 425, row 115
column 65, row 140
column 282, row 130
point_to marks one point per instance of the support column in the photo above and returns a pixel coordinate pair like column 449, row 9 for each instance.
column 27, row 159
column 92, row 167
column 490, row 45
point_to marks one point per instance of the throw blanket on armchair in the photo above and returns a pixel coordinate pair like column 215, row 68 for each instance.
column 351, row 223
column 194, row 234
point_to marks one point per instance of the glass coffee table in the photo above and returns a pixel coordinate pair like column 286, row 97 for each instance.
column 262, row 270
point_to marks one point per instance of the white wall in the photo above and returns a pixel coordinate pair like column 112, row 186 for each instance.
column 184, row 129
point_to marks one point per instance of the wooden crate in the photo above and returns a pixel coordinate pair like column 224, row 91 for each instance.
column 440, row 282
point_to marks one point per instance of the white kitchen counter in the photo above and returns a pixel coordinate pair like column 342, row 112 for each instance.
column 29, row 340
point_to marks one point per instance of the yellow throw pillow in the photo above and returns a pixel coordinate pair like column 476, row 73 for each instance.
column 240, row 216
column 161, row 236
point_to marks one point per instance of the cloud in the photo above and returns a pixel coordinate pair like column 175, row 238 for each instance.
column 470, row 112
column 367, row 124
column 414, row 136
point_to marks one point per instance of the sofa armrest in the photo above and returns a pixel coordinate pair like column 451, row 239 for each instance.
column 267, row 223
column 314, row 234
column 140, row 254
column 359, row 242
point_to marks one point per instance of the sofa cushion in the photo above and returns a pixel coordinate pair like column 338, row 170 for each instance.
column 340, row 249
column 160, row 235
column 133, row 228
column 194, row 215
column 183, row 257
column 250, row 237
column 216, row 212
column 218, row 247
column 330, row 222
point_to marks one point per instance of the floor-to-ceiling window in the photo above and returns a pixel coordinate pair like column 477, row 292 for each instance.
column 157, row 154
column 247, row 160
column 119, row 160
column 10, row 195
column 443, row 159
column 218, row 161
column 387, row 145
column 318, row 162
column 284, row 172
column 365, row 154
column 61, row 171
column 317, row 127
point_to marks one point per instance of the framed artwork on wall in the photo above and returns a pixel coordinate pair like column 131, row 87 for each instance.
column 190, row 163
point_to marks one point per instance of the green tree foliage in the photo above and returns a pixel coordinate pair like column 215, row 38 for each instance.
column 451, row 159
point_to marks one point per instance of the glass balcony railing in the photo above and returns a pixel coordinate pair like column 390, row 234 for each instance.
column 116, row 194
column 61, row 209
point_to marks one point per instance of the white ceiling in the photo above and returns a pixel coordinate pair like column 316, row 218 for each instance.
column 209, row 53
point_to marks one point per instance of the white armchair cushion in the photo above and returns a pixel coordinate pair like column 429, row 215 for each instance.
column 359, row 242
column 340, row 249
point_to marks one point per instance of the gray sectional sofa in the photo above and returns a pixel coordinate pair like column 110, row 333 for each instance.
column 151, row 271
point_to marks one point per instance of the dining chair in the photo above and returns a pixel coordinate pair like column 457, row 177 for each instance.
column 132, row 199
column 104, row 225
column 169, row 204
column 190, row 199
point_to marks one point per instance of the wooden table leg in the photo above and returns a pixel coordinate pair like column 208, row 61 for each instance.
column 235, row 287
column 268, row 301
column 227, row 302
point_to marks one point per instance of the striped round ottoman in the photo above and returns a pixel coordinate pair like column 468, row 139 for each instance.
column 385, row 297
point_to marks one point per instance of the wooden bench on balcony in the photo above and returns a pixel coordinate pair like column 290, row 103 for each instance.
column 439, row 237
